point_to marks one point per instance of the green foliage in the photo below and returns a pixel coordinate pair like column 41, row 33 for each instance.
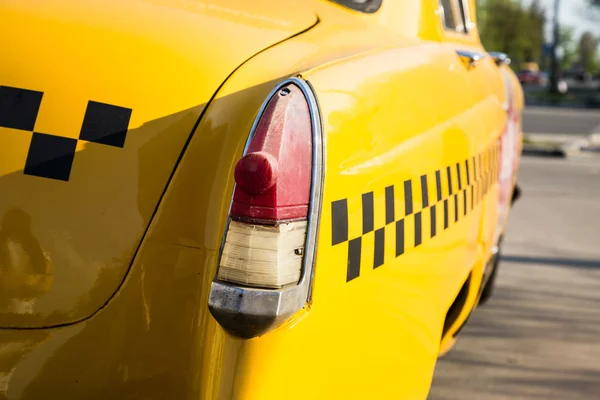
column 595, row 6
column 566, row 41
column 510, row 27
column 588, row 50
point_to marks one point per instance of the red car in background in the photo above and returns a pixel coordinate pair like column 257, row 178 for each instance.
column 528, row 77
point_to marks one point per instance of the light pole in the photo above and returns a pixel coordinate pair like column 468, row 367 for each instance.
column 555, row 39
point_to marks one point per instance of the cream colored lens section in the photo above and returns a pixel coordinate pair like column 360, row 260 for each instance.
column 263, row 255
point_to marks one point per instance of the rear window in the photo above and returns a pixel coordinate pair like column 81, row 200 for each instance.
column 366, row 6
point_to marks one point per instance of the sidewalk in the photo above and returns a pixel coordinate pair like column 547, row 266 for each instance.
column 538, row 336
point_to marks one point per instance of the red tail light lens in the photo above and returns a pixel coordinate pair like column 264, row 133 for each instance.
column 265, row 240
column 273, row 178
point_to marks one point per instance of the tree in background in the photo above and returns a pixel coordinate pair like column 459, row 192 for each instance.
column 587, row 51
column 535, row 21
column 595, row 6
column 568, row 49
column 566, row 41
column 508, row 26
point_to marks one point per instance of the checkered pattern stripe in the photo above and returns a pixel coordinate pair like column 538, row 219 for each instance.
column 51, row 156
column 459, row 199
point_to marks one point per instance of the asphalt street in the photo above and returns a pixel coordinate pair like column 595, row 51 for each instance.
column 561, row 120
column 539, row 337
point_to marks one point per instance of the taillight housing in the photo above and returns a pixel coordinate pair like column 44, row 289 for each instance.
column 267, row 256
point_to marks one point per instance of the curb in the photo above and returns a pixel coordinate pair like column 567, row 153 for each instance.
column 532, row 150
column 560, row 146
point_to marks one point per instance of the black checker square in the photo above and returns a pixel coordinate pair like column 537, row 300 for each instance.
column 339, row 221
column 50, row 156
column 354, row 251
column 105, row 124
column 19, row 108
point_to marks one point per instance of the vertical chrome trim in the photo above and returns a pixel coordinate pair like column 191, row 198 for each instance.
column 249, row 312
column 461, row 27
column 318, row 177
column 467, row 10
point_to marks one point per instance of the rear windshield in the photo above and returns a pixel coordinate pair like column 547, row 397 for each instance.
column 366, row 6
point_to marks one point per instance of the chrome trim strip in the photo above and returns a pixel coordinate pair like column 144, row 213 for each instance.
column 470, row 58
column 249, row 312
column 500, row 58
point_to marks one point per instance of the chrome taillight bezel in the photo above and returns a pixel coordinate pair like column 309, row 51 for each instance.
column 249, row 312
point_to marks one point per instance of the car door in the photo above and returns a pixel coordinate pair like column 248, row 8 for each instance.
column 486, row 91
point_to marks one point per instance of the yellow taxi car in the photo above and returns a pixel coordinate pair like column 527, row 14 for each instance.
column 232, row 199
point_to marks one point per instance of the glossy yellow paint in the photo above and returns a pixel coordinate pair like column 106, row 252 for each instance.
column 75, row 52
column 394, row 106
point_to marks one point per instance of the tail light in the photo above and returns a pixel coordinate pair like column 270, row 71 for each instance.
column 266, row 260
column 508, row 159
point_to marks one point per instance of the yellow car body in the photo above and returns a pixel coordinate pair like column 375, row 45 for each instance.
column 109, row 243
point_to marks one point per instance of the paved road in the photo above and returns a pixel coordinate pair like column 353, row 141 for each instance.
column 539, row 337
column 560, row 120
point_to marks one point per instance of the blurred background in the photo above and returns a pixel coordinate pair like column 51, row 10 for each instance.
column 539, row 336
column 529, row 31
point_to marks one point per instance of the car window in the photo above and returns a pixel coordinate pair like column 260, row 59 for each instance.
column 454, row 15
column 448, row 14
column 366, row 6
